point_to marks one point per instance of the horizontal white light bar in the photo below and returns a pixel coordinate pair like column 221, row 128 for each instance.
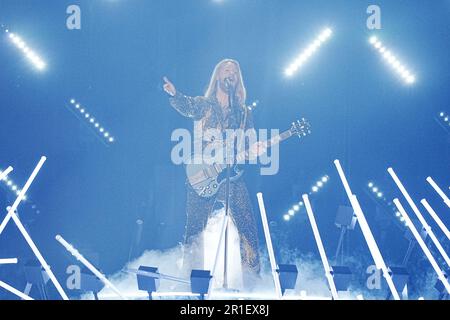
column 8, row 261
column 28, row 52
column 404, row 73
column 308, row 52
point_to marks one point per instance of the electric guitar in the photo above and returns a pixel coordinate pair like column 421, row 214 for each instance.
column 206, row 179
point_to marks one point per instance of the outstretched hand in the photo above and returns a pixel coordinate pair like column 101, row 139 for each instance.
column 169, row 87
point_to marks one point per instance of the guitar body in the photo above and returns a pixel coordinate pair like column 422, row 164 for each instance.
column 206, row 179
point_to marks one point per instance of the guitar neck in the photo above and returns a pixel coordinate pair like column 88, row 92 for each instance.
column 274, row 141
column 281, row 137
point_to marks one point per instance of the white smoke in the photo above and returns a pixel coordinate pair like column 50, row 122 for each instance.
column 311, row 280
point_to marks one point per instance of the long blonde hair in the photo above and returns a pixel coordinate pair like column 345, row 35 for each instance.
column 241, row 93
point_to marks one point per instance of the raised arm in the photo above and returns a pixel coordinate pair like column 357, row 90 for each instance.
column 191, row 107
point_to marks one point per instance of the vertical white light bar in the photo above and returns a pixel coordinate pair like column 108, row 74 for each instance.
column 373, row 247
column 323, row 255
column 419, row 216
column 219, row 246
column 436, row 218
column 273, row 263
column 439, row 191
column 422, row 245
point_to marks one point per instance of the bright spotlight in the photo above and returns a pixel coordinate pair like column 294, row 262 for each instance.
column 72, row 101
column 397, row 214
column 370, row 184
column 320, row 184
column 375, row 189
column 441, row 114
column 407, row 76
column 296, row 207
column 286, row 217
column 308, row 52
column 324, row 179
column 291, row 212
column 315, row 189
column 379, row 194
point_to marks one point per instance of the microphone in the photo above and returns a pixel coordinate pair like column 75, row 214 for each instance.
column 229, row 83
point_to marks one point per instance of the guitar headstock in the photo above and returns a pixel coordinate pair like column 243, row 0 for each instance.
column 301, row 128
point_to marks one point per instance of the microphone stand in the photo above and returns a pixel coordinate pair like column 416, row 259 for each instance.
column 227, row 203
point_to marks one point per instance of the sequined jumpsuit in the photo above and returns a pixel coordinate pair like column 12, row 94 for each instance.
column 212, row 115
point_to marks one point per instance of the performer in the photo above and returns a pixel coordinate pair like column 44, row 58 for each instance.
column 214, row 111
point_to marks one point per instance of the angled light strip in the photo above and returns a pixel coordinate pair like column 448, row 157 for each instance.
column 439, row 191
column 323, row 255
column 436, row 218
column 419, row 215
column 423, row 245
column 376, row 191
column 444, row 120
column 10, row 184
column 273, row 263
column 12, row 215
column 314, row 189
column 308, row 52
column 404, row 73
column 88, row 265
column 320, row 183
column 14, row 291
column 30, row 54
column 367, row 233
column 83, row 113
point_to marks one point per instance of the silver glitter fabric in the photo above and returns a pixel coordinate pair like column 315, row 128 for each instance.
column 198, row 208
